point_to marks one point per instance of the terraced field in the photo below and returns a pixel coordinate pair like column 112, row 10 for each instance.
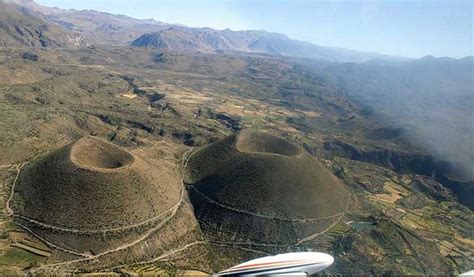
column 97, row 142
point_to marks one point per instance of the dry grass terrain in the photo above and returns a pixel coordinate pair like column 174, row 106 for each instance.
column 161, row 110
column 91, row 189
column 261, row 173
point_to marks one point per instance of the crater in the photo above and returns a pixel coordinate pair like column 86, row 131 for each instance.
column 95, row 153
column 258, row 142
column 89, row 186
column 279, row 193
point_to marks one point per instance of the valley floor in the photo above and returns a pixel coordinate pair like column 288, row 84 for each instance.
column 396, row 221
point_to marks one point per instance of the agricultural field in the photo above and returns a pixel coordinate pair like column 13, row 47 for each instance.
column 157, row 120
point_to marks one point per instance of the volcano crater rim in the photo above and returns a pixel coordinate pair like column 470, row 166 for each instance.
column 263, row 143
column 95, row 154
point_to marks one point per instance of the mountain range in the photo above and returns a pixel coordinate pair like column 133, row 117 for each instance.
column 430, row 96
column 93, row 27
column 20, row 26
column 178, row 38
column 133, row 147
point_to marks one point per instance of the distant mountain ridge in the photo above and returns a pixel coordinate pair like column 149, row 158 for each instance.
column 209, row 40
column 105, row 28
column 94, row 26
column 22, row 27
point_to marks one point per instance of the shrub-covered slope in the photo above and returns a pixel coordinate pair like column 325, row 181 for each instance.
column 262, row 177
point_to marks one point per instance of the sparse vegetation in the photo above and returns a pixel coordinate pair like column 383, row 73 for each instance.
column 19, row 257
column 71, row 194
column 263, row 188
column 143, row 111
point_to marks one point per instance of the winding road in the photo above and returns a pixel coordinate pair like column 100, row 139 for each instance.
column 168, row 214
column 303, row 220
column 9, row 210
column 174, row 210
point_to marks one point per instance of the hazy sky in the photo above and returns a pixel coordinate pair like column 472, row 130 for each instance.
column 406, row 28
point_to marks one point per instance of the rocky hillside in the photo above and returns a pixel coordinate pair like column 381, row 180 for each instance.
column 104, row 28
column 96, row 27
column 178, row 38
column 430, row 99
column 20, row 26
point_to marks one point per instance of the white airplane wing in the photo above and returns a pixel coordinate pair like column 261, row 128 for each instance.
column 289, row 264
column 469, row 273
